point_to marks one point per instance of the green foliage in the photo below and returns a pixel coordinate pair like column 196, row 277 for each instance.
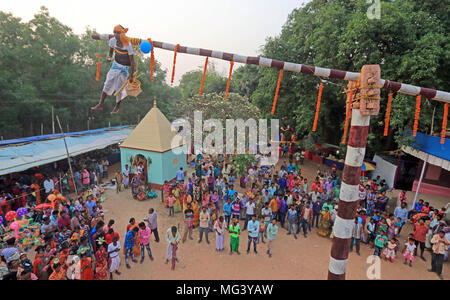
column 213, row 106
column 45, row 64
column 191, row 81
column 241, row 161
column 410, row 42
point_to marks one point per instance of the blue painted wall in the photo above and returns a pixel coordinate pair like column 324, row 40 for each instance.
column 162, row 167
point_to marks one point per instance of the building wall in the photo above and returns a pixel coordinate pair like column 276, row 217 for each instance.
column 385, row 170
column 172, row 163
column 155, row 170
column 163, row 167
column 434, row 175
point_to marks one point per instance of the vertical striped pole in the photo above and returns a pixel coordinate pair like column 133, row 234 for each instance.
column 369, row 91
column 348, row 201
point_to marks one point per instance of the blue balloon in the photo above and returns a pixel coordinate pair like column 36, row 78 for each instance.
column 146, row 47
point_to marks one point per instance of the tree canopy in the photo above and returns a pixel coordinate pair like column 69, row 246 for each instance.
column 410, row 42
column 45, row 64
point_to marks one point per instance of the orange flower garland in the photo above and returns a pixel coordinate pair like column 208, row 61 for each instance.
column 388, row 113
column 444, row 123
column 229, row 79
column 174, row 62
column 348, row 111
column 318, row 107
column 152, row 60
column 276, row 91
column 416, row 115
column 203, row 78
column 98, row 67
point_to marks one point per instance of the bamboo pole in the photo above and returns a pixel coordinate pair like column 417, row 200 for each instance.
column 68, row 155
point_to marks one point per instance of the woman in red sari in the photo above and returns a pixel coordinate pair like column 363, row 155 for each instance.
column 101, row 263
column 136, row 247
column 86, row 267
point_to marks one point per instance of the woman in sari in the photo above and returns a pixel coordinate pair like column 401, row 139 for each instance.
column 40, row 264
column 324, row 223
column 135, row 184
column 59, row 272
column 195, row 208
column 101, row 262
column 86, row 267
column 136, row 247
column 197, row 191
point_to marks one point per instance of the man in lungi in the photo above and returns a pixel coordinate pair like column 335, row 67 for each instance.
column 118, row 74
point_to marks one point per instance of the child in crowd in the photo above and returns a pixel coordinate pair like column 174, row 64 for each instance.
column 262, row 230
column 408, row 251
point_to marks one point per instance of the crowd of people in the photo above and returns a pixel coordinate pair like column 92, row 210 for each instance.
column 258, row 203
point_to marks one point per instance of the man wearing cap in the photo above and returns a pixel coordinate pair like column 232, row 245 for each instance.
column 123, row 58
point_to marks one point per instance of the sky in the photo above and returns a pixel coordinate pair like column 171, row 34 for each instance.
column 234, row 26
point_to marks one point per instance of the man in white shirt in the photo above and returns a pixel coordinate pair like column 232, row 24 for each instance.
column 266, row 212
column 49, row 186
column 250, row 206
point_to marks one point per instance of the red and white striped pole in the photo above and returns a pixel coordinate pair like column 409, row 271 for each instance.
column 356, row 149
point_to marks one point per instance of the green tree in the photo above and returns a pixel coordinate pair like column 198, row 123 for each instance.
column 191, row 81
column 44, row 65
column 410, row 42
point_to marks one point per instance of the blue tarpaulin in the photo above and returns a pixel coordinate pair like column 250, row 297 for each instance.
column 21, row 154
column 432, row 145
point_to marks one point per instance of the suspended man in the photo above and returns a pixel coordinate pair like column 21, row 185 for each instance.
column 120, row 46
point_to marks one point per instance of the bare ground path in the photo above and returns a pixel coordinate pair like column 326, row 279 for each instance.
column 292, row 259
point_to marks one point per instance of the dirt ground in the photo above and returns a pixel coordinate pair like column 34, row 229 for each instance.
column 304, row 258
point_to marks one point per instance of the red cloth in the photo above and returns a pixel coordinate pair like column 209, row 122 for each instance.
column 420, row 232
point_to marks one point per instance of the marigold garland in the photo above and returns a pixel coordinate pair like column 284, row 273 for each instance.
column 444, row 123
column 152, row 60
column 388, row 113
column 229, row 79
column 203, row 77
column 276, row 91
column 416, row 115
column 348, row 111
column 317, row 107
column 174, row 62
column 97, row 77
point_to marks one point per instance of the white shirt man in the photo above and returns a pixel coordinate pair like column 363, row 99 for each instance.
column 250, row 205
column 49, row 186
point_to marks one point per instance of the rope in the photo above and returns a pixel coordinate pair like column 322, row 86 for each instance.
column 203, row 77
column 444, row 123
column 388, row 112
column 229, row 79
column 319, row 97
column 174, row 62
column 276, row 91
column 416, row 115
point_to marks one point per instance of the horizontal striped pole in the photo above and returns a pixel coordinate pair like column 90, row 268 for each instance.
column 298, row 68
